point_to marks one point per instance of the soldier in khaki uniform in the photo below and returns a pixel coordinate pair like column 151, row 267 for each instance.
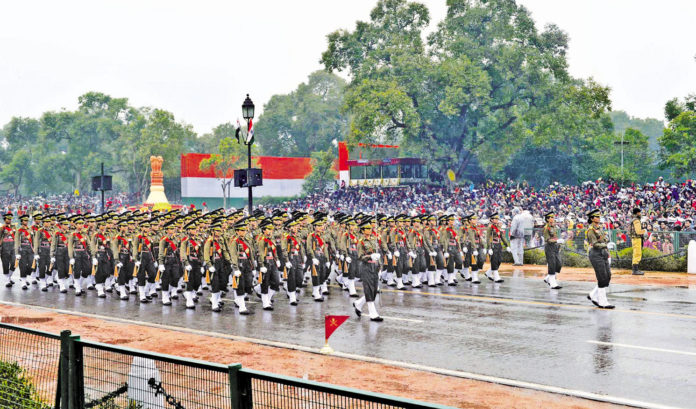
column 637, row 235
column 369, row 258
column 552, row 250
column 599, row 257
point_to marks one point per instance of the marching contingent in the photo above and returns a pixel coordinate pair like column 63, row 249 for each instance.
column 151, row 256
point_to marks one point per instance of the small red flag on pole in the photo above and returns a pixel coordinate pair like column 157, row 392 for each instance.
column 331, row 323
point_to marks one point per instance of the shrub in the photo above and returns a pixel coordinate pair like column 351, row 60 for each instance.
column 17, row 389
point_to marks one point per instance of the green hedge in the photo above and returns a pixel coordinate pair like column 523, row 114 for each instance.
column 573, row 259
column 16, row 388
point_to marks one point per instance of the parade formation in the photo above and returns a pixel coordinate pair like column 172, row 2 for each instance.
column 149, row 256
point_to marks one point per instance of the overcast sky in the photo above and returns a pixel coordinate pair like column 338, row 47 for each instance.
column 198, row 59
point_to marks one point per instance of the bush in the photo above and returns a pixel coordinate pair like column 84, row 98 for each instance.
column 16, row 388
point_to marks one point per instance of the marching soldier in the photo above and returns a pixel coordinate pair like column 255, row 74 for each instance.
column 478, row 255
column 214, row 257
column 599, row 257
column 60, row 260
column 122, row 247
column 495, row 240
column 7, row 251
column 369, row 258
column 417, row 253
column 101, row 244
column 318, row 256
column 144, row 263
column 400, row 253
column 637, row 236
column 452, row 251
column 241, row 260
column 192, row 259
column 552, row 250
column 436, row 261
column 169, row 261
column 42, row 244
column 348, row 247
column 78, row 252
column 294, row 265
column 24, row 251
column 269, row 263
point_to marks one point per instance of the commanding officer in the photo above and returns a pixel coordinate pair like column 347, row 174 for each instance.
column 7, row 251
column 637, row 236
column 24, row 250
column 495, row 240
column 552, row 250
column 369, row 258
column 599, row 257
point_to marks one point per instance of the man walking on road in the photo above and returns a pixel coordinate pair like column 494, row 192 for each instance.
column 517, row 237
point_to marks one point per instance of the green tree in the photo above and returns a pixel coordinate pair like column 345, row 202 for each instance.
column 17, row 170
column 306, row 120
column 485, row 84
column 323, row 172
column 678, row 143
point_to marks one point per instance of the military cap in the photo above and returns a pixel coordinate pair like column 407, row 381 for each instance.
column 216, row 227
column 266, row 223
column 38, row 217
column 549, row 215
column 349, row 221
column 290, row 223
column 636, row 210
column 8, row 215
column 366, row 224
column 24, row 217
column 592, row 213
column 493, row 216
column 319, row 222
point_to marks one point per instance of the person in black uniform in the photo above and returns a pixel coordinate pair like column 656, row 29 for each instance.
column 599, row 257
column 59, row 253
column 552, row 250
column 24, row 250
column 42, row 244
column 369, row 258
column 7, row 251
column 192, row 257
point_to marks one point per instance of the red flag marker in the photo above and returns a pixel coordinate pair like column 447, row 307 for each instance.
column 331, row 323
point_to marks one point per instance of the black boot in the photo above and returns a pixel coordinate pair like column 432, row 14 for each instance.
column 637, row 272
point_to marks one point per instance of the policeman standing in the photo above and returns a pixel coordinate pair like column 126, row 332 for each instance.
column 637, row 235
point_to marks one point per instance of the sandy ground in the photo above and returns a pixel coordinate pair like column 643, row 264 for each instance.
column 397, row 381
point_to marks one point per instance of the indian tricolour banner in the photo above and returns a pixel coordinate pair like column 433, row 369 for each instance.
column 282, row 178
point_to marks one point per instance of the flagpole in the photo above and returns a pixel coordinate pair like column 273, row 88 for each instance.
column 326, row 349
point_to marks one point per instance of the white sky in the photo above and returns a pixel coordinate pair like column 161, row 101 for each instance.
column 198, row 59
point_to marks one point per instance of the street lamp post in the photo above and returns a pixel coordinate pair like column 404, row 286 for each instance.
column 248, row 114
column 622, row 143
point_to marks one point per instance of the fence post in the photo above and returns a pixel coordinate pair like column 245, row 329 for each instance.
column 233, row 374
column 70, row 368
column 63, row 369
column 240, row 388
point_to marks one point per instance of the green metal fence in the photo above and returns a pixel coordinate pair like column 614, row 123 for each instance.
column 69, row 373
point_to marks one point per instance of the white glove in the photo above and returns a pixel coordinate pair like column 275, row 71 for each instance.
column 18, row 257
column 278, row 263
column 338, row 255
column 53, row 259
column 475, row 253
column 560, row 241
column 611, row 245
column 490, row 252
column 36, row 257
column 609, row 260
column 389, row 255
column 465, row 250
column 161, row 267
column 137, row 264
column 412, row 254
column 156, row 264
column 188, row 267
column 342, row 257
column 446, row 254
column 202, row 270
column 432, row 254
column 315, row 261
column 288, row 265
column 508, row 249
column 211, row 269
column 237, row 273
column 327, row 264
column 397, row 254
column 461, row 254
column 349, row 260
column 264, row 270
column 374, row 256
column 72, row 261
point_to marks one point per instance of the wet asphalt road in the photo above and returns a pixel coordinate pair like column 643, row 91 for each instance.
column 644, row 350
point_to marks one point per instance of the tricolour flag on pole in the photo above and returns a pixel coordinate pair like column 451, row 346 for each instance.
column 331, row 323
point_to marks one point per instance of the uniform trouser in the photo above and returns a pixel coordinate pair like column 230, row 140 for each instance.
column 402, row 262
column 497, row 256
column 467, row 259
column 370, row 279
column 600, row 263
column 7, row 256
column 437, row 262
column 480, row 259
column 517, row 247
column 270, row 278
column 193, row 277
column 103, row 267
column 454, row 259
column 62, row 264
column 170, row 276
column 147, row 271
column 217, row 279
column 353, row 270
column 83, row 266
column 320, row 272
column 553, row 258
column 243, row 284
column 419, row 263
column 26, row 261
column 44, row 262
column 637, row 250
column 126, row 271
column 294, row 274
